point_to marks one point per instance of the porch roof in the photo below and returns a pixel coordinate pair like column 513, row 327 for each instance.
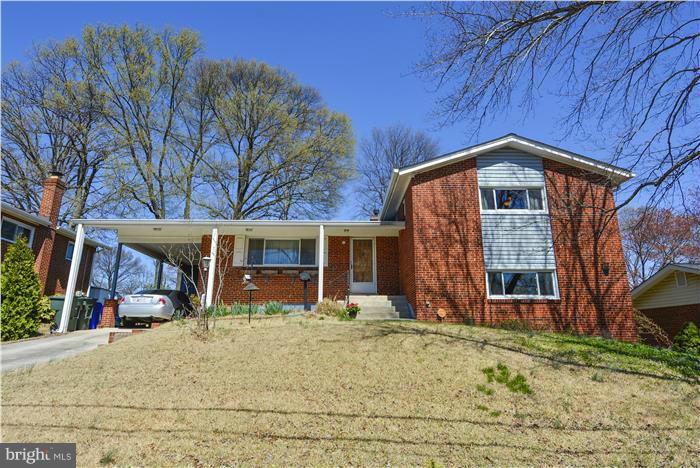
column 154, row 237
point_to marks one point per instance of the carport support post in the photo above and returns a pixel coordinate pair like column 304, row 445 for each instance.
column 321, row 256
column 115, row 275
column 159, row 274
column 212, row 266
column 72, row 277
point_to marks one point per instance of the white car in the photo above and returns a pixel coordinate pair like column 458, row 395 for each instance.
column 153, row 305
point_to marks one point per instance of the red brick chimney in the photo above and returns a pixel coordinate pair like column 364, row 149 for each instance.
column 50, row 207
column 51, row 198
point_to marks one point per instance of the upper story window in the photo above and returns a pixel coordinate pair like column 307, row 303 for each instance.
column 530, row 199
column 531, row 284
column 13, row 230
column 281, row 252
column 69, row 251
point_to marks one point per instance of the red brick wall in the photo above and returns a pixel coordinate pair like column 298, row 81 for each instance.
column 672, row 319
column 388, row 266
column 443, row 224
column 407, row 267
column 59, row 268
column 287, row 288
column 50, row 251
column 443, row 219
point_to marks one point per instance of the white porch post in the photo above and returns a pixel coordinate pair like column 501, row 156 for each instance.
column 72, row 277
column 212, row 266
column 321, row 257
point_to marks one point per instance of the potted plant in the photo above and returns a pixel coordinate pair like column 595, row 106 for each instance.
column 352, row 309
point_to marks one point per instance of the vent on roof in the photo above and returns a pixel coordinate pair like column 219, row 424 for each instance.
column 375, row 215
column 681, row 280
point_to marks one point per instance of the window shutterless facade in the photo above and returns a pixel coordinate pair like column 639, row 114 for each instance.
column 281, row 252
column 527, row 199
column 522, row 284
column 13, row 230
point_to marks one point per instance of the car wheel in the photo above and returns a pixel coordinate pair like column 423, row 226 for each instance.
column 125, row 322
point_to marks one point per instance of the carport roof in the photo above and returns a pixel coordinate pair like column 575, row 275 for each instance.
column 149, row 236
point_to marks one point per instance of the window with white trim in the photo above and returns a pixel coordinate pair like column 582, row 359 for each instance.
column 532, row 284
column 529, row 199
column 13, row 230
column 69, row 251
column 281, row 252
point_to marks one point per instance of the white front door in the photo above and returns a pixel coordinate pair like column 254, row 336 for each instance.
column 363, row 278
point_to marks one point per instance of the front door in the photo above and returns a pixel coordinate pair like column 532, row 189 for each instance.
column 362, row 266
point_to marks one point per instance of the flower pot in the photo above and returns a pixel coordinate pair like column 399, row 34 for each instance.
column 353, row 314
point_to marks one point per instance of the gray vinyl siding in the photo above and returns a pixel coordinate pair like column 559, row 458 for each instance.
column 668, row 294
column 514, row 241
column 517, row 242
column 509, row 168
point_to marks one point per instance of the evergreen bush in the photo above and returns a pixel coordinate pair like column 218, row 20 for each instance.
column 688, row 340
column 21, row 293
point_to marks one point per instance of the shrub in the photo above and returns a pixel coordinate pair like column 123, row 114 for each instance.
column 647, row 327
column 330, row 308
column 688, row 340
column 274, row 308
column 21, row 293
column 46, row 313
column 240, row 308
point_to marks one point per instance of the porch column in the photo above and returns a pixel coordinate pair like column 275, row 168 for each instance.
column 115, row 275
column 321, row 256
column 159, row 274
column 72, row 277
column 212, row 266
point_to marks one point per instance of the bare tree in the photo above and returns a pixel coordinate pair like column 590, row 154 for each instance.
column 188, row 259
column 278, row 138
column 386, row 149
column 52, row 122
column 141, row 74
column 133, row 273
column 629, row 72
column 654, row 237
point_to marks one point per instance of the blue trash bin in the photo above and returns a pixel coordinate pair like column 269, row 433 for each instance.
column 96, row 315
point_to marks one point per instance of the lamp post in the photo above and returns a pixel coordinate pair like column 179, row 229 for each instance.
column 205, row 266
column 250, row 287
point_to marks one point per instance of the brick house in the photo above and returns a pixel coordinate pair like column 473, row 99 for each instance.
column 510, row 229
column 52, row 245
column 671, row 298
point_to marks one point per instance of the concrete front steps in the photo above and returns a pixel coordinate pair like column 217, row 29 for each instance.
column 376, row 307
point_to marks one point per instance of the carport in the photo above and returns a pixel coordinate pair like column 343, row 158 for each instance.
column 172, row 241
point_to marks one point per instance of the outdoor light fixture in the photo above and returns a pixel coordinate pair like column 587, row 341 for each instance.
column 205, row 263
column 305, row 277
column 247, row 278
column 250, row 287
column 606, row 269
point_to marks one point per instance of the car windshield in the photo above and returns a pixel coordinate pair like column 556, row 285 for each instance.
column 161, row 292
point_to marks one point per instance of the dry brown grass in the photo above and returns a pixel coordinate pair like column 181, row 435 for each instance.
column 288, row 391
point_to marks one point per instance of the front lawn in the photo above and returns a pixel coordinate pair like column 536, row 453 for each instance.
column 301, row 391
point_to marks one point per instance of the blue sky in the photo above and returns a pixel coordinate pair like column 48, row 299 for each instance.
column 360, row 56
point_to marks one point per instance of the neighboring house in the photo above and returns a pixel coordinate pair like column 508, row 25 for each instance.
column 511, row 229
column 52, row 245
column 671, row 297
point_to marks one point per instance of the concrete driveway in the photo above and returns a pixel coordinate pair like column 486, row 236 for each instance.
column 52, row 348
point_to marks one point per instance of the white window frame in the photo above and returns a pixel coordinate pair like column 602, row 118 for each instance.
column 555, row 285
column 70, row 258
column 282, row 265
column 493, row 189
column 30, row 241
